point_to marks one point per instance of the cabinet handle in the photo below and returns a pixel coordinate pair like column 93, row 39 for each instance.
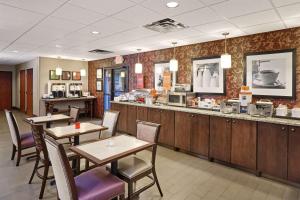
column 192, row 115
column 228, row 120
column 161, row 111
column 292, row 129
column 233, row 121
column 283, row 128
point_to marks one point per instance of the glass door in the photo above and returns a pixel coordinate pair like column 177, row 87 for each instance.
column 107, row 88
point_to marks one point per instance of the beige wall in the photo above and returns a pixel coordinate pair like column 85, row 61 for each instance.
column 34, row 64
column 14, row 89
column 47, row 64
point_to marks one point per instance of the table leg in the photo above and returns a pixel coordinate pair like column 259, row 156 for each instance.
column 114, row 167
column 76, row 142
column 48, row 125
column 91, row 109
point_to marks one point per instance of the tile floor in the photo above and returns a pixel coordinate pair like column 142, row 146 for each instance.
column 182, row 177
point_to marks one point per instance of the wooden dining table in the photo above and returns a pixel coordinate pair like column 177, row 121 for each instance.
column 48, row 119
column 110, row 150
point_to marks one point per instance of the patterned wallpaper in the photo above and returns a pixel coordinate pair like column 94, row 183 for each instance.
column 237, row 47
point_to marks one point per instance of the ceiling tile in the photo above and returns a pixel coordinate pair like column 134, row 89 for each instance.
column 279, row 3
column 293, row 22
column 235, row 8
column 291, row 11
column 198, row 17
column 216, row 27
column 45, row 7
column 110, row 26
column 211, row 2
column 138, row 15
column 184, row 6
column 264, row 28
column 256, row 18
column 103, row 6
column 77, row 14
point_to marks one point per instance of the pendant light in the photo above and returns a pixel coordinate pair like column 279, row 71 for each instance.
column 138, row 69
column 82, row 72
column 225, row 58
column 173, row 61
column 58, row 70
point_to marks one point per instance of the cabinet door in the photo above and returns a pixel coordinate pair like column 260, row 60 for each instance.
column 154, row 115
column 142, row 113
column 115, row 107
column 220, row 138
column 200, row 134
column 293, row 154
column 272, row 149
column 243, row 143
column 182, row 130
column 131, row 120
column 122, row 124
column 167, row 120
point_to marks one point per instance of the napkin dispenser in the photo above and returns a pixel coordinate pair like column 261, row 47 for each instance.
column 261, row 108
column 230, row 106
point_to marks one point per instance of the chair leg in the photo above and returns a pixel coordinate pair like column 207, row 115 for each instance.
column 122, row 197
column 130, row 190
column 45, row 176
column 19, row 156
column 14, row 150
column 34, row 169
column 87, row 164
column 156, row 181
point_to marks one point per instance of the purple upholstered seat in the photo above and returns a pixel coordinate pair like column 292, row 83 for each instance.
column 97, row 183
column 27, row 140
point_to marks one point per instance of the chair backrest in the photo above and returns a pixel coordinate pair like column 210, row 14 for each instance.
column 40, row 144
column 13, row 128
column 74, row 113
column 110, row 120
column 62, row 170
column 148, row 132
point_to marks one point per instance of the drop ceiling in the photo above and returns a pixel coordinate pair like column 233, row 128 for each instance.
column 52, row 28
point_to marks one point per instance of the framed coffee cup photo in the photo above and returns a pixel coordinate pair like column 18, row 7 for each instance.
column 271, row 74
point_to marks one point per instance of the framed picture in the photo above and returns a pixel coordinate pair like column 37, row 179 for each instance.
column 271, row 74
column 66, row 75
column 76, row 76
column 99, row 74
column 99, row 86
column 53, row 76
column 208, row 76
column 161, row 70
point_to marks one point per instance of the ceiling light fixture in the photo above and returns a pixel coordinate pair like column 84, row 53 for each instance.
column 172, row 4
column 15, row 51
column 58, row 70
column 58, row 46
column 173, row 61
column 225, row 58
column 95, row 32
column 82, row 72
column 138, row 68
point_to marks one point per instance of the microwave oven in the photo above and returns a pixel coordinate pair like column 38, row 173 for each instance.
column 180, row 98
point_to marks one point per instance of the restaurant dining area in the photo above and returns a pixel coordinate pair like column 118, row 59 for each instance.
column 150, row 99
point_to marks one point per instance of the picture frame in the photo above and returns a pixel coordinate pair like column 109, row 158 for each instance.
column 99, row 85
column 207, row 76
column 159, row 70
column 76, row 76
column 99, row 73
column 53, row 76
column 271, row 73
column 66, row 75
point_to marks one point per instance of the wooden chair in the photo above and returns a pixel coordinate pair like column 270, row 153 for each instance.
column 93, row 184
column 74, row 113
column 132, row 168
column 20, row 141
column 110, row 120
column 43, row 157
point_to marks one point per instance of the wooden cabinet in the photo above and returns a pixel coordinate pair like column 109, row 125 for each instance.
column 200, row 134
column 182, row 131
column 167, row 135
column 293, row 154
column 142, row 113
column 122, row 122
column 154, row 115
column 131, row 119
column 220, row 138
column 272, row 149
column 243, row 143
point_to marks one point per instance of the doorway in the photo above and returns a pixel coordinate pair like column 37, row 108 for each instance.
column 29, row 88
column 6, row 90
column 22, row 90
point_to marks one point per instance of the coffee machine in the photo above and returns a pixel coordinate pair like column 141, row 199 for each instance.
column 58, row 90
column 75, row 89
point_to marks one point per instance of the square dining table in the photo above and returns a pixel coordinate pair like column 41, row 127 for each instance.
column 48, row 119
column 110, row 150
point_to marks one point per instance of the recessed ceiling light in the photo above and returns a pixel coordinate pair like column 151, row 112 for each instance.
column 58, row 46
column 15, row 51
column 172, row 4
column 95, row 32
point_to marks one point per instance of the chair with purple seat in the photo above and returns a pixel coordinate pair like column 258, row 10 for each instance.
column 96, row 183
column 20, row 141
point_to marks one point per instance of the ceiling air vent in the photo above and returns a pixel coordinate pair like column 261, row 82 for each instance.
column 165, row 26
column 100, row 51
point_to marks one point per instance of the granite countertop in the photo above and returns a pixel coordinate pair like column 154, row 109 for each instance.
column 275, row 120
column 69, row 98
